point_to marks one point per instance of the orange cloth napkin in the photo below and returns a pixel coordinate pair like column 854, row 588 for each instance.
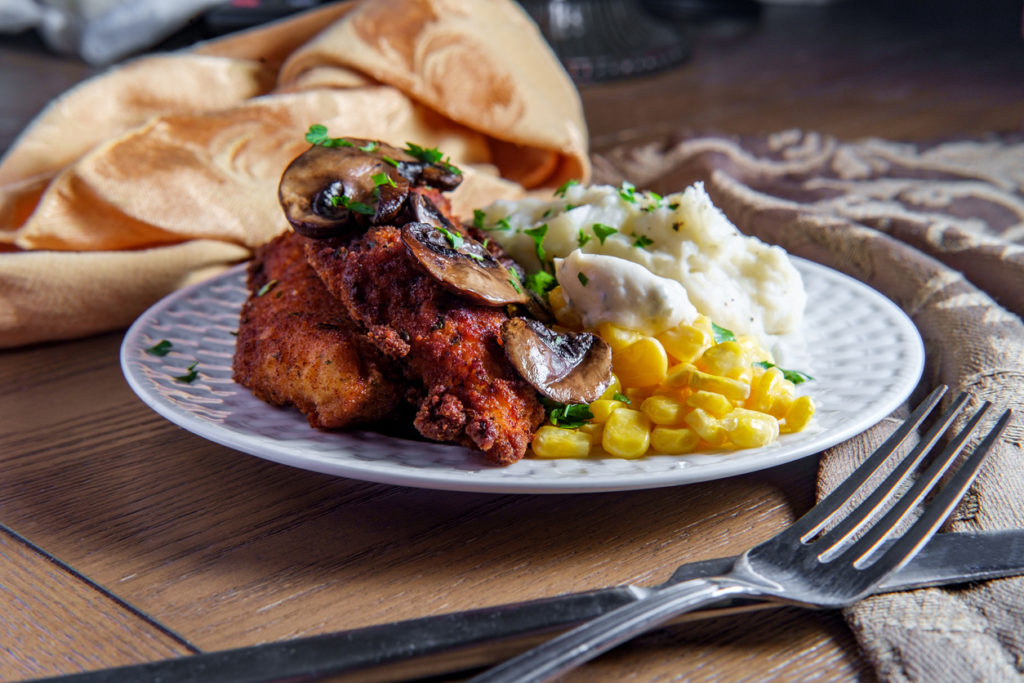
column 163, row 171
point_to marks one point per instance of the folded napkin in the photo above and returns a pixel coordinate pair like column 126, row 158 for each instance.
column 164, row 170
column 939, row 229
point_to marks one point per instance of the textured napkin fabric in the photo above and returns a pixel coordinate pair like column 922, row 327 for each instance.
column 939, row 229
column 162, row 171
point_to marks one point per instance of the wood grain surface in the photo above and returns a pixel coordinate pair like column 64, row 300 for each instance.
column 173, row 543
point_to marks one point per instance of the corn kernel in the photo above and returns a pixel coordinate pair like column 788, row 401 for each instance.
column 678, row 376
column 617, row 337
column 602, row 408
column 637, row 395
column 750, row 429
column 799, row 415
column 726, row 359
column 594, row 430
column 663, row 410
column 642, row 363
column 627, row 434
column 706, row 426
column 685, row 342
column 554, row 442
column 614, row 388
column 710, row 402
column 754, row 351
column 763, row 393
column 674, row 440
column 732, row 389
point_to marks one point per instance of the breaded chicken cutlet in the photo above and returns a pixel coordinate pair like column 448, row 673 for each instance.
column 445, row 343
column 297, row 345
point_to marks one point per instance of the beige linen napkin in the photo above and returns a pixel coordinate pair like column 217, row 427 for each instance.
column 156, row 173
column 939, row 229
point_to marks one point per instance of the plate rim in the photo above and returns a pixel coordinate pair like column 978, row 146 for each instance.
column 480, row 479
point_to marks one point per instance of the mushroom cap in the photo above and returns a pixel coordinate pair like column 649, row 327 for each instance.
column 328, row 191
column 568, row 367
column 461, row 264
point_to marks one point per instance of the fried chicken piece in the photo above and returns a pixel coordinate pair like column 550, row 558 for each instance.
column 297, row 345
column 472, row 394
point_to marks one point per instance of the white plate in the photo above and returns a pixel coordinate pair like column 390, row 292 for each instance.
column 864, row 353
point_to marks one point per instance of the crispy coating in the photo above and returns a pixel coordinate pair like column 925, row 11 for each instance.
column 452, row 348
column 297, row 345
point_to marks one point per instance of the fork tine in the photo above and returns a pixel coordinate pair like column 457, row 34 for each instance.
column 827, row 507
column 904, row 549
column 856, row 518
column 937, row 509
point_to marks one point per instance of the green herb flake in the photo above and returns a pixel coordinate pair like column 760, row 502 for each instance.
column 431, row 155
column 454, row 238
column 382, row 179
column 560, row 192
column 357, row 207
column 190, row 374
column 642, row 241
column 548, row 213
column 503, row 224
column 393, row 162
column 571, row 416
column 161, row 348
column 266, row 288
column 582, row 278
column 603, row 231
column 317, row 135
column 794, row 376
column 582, row 238
column 370, row 146
column 721, row 334
column 617, row 396
column 540, row 283
column 514, row 281
column 478, row 218
column 537, row 234
column 628, row 192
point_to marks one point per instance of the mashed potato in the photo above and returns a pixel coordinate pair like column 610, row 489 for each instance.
column 691, row 259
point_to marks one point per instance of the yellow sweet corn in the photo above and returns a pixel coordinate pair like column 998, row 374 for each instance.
column 614, row 388
column 554, row 442
column 602, row 408
column 707, row 427
column 763, row 392
column 643, row 363
column 799, row 414
column 727, row 360
column 617, row 337
column 749, row 428
column 627, row 433
column 710, row 402
column 663, row 410
column 685, row 343
column 674, row 440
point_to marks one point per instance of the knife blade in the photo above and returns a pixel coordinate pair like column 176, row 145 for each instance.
column 460, row 641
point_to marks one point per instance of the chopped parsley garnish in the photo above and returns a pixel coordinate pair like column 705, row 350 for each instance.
column 538, row 234
column 266, row 288
column 161, row 348
column 628, row 192
column 642, row 241
column 571, row 416
column 721, row 334
column 503, row 224
column 794, row 376
column 317, row 135
column 541, row 282
column 382, row 179
column 478, row 218
column 431, row 155
column 548, row 213
column 393, row 162
column 514, row 281
column 582, row 278
column 358, row 207
column 621, row 397
column 582, row 238
column 454, row 238
column 560, row 192
column 370, row 146
column 603, row 231
column 190, row 374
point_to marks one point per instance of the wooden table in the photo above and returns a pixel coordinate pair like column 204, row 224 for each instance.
column 126, row 539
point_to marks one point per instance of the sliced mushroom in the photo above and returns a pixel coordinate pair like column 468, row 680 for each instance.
column 328, row 191
column 461, row 264
column 566, row 367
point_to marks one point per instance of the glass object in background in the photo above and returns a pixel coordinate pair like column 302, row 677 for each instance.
column 603, row 40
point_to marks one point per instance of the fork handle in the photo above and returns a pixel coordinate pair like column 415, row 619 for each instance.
column 599, row 635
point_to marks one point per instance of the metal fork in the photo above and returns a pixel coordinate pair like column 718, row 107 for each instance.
column 806, row 564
